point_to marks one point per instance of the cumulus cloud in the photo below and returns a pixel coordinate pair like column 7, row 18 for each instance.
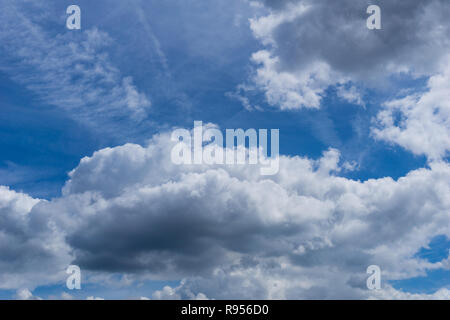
column 311, row 45
column 178, row 293
column 25, row 294
column 32, row 250
column 420, row 122
column 232, row 233
column 94, row 298
column 350, row 94
column 66, row 296
column 390, row 293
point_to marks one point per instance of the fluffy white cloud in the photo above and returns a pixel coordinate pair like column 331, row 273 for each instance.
column 226, row 230
column 231, row 233
column 291, row 90
column 94, row 298
column 420, row 122
column 25, row 294
column 313, row 44
column 390, row 293
column 178, row 293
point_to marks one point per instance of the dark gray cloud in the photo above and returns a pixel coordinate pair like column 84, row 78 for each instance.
column 333, row 34
column 413, row 35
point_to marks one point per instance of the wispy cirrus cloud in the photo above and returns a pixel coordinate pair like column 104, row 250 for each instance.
column 68, row 69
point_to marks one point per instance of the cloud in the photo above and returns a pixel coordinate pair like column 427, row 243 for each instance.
column 94, row 298
column 32, row 251
column 259, row 285
column 178, row 293
column 350, row 94
column 287, row 90
column 231, row 233
column 25, row 294
column 392, row 294
column 420, row 122
column 227, row 231
column 66, row 296
column 311, row 45
column 67, row 69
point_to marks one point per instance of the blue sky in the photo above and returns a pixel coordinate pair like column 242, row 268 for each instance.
column 138, row 69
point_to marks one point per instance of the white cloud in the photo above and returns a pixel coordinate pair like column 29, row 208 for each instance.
column 66, row 296
column 311, row 45
column 291, row 90
column 420, row 122
column 94, row 298
column 178, row 293
column 305, row 235
column 391, row 294
column 350, row 94
column 25, row 294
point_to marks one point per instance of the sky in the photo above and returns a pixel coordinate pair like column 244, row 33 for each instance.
column 87, row 178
